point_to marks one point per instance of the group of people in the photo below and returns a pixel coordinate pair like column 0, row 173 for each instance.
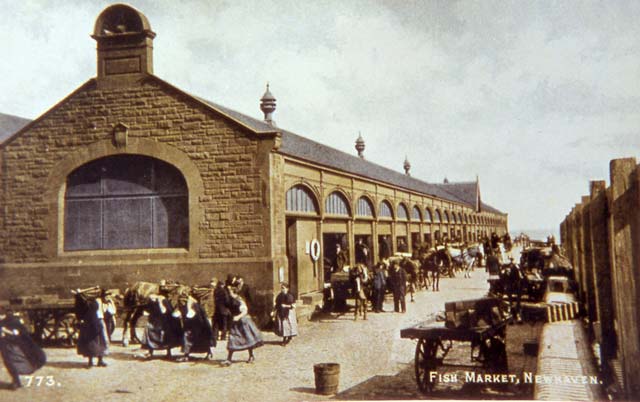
column 178, row 320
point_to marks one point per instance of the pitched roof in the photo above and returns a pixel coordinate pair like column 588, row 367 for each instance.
column 311, row 151
column 469, row 192
column 305, row 149
column 10, row 124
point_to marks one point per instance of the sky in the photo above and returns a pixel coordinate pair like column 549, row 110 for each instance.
column 533, row 97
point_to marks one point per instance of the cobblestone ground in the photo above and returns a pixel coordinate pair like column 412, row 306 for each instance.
column 375, row 363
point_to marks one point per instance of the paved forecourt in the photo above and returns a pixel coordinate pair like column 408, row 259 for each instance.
column 366, row 351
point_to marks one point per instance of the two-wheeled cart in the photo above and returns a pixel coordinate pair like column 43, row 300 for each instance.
column 480, row 322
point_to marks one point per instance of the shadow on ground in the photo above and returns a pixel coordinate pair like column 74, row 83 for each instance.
column 402, row 386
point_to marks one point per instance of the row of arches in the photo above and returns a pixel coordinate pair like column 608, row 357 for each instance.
column 300, row 199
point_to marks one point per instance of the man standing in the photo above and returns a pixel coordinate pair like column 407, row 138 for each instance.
column 341, row 259
column 362, row 252
column 399, row 287
column 384, row 247
column 379, row 287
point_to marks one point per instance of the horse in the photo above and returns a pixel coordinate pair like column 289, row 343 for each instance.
column 137, row 299
column 445, row 262
column 412, row 270
column 430, row 262
column 469, row 256
column 458, row 261
column 360, row 284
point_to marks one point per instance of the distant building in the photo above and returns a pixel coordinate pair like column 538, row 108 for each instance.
column 129, row 178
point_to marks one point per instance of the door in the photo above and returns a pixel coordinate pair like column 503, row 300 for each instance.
column 303, row 270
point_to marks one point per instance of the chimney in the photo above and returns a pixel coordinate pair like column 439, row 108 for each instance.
column 268, row 106
column 125, row 46
column 360, row 145
column 407, row 166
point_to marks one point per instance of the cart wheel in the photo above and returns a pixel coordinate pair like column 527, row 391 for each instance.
column 426, row 363
column 68, row 329
column 49, row 329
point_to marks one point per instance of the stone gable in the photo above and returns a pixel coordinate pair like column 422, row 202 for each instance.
column 225, row 155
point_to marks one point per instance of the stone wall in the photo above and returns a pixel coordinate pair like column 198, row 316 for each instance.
column 226, row 167
column 223, row 156
column 602, row 237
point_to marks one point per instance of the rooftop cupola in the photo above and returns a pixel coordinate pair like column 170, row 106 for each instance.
column 268, row 106
column 407, row 166
column 360, row 146
column 125, row 46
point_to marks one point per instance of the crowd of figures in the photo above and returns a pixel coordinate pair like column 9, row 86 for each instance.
column 191, row 318
column 401, row 275
column 197, row 318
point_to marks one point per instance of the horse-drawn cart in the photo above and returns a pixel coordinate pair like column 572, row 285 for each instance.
column 51, row 320
column 481, row 322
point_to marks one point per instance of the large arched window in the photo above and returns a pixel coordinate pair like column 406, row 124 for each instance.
column 300, row 199
column 126, row 202
column 454, row 218
column 427, row 215
column 415, row 214
column 438, row 217
column 385, row 210
column 336, row 204
column 403, row 214
column 365, row 207
column 446, row 216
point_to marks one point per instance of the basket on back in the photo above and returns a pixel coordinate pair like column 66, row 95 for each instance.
column 88, row 294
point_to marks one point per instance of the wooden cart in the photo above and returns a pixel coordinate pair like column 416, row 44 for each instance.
column 484, row 328
column 51, row 321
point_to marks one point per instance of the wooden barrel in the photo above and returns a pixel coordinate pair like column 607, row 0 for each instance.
column 326, row 376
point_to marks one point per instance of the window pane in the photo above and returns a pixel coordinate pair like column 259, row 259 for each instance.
column 170, row 222
column 82, row 229
column 168, row 179
column 127, row 223
column 84, row 181
column 127, row 175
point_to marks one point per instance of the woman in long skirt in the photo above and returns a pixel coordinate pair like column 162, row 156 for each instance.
column 20, row 354
column 197, row 334
column 286, row 322
column 93, row 340
column 163, row 330
column 244, row 335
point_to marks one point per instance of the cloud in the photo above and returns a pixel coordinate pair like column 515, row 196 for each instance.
column 534, row 97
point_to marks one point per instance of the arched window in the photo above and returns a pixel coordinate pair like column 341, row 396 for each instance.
column 415, row 213
column 446, row 216
column 427, row 215
column 438, row 216
column 126, row 202
column 365, row 207
column 300, row 199
column 336, row 204
column 460, row 220
column 454, row 218
column 402, row 212
column 385, row 210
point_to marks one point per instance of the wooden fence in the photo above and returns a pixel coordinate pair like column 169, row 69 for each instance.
column 601, row 237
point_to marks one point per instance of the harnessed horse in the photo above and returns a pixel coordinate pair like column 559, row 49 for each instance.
column 431, row 263
column 412, row 270
column 136, row 302
column 468, row 257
